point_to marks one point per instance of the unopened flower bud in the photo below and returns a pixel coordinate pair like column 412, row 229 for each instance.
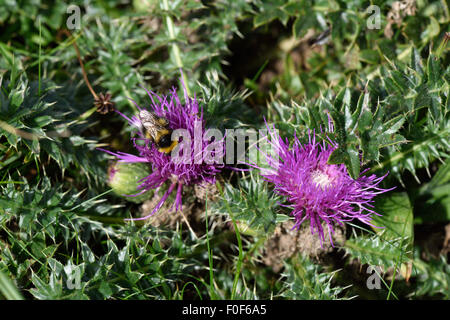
column 125, row 178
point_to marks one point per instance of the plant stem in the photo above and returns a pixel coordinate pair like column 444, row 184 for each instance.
column 39, row 63
column 241, row 258
column 210, row 260
column 238, row 236
column 396, row 265
column 83, row 71
column 175, row 48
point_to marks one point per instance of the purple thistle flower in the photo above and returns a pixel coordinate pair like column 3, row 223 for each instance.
column 166, row 168
column 316, row 190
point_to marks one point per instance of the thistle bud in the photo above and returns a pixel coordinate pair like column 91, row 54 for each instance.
column 125, row 179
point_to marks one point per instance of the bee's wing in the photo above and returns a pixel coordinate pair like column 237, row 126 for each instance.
column 151, row 130
column 150, row 122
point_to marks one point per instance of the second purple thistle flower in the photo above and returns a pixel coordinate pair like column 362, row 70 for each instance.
column 315, row 190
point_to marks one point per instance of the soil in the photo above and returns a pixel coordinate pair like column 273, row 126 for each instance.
column 286, row 242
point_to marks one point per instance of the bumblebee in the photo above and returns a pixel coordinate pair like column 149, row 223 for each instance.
column 158, row 131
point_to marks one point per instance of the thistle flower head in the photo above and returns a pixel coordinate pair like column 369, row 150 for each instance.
column 165, row 168
column 318, row 191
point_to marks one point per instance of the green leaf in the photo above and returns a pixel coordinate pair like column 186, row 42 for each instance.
column 433, row 206
column 432, row 201
column 396, row 215
column 337, row 156
column 303, row 23
column 353, row 163
column 349, row 157
column 8, row 289
column 433, row 71
column 369, row 56
column 252, row 204
column 43, row 290
column 442, row 176
column 270, row 10
column 433, row 277
column 396, row 219
column 105, row 290
column 305, row 280
column 376, row 251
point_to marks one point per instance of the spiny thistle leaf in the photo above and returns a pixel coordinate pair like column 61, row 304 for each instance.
column 396, row 220
column 252, row 205
column 304, row 280
column 422, row 96
column 224, row 108
column 376, row 251
column 46, row 125
column 158, row 263
column 433, row 277
column 432, row 200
